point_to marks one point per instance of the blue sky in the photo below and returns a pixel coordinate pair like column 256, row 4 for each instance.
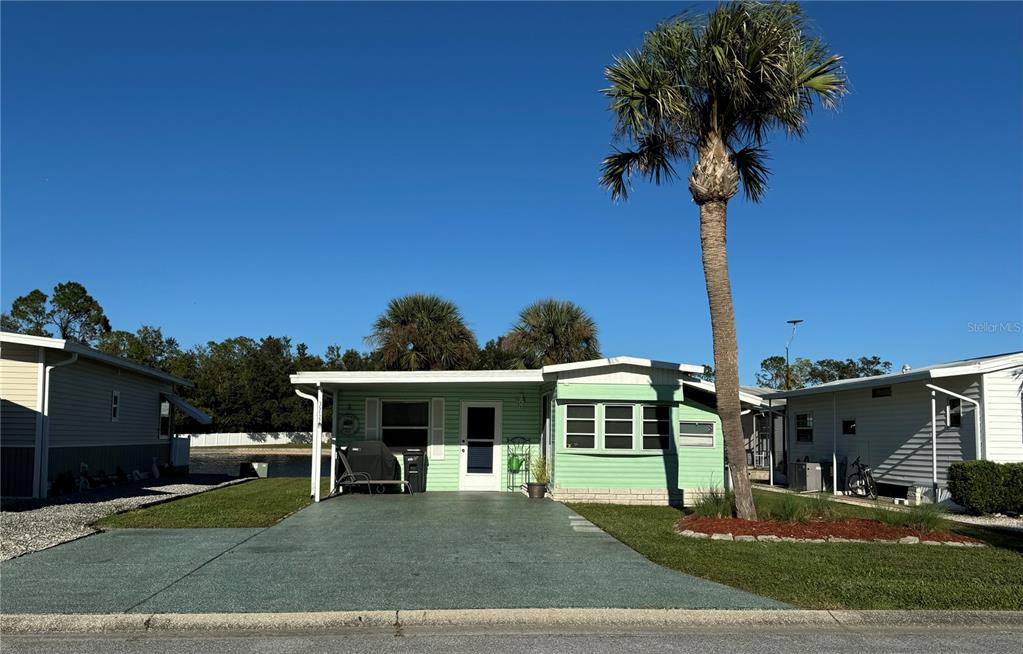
column 236, row 169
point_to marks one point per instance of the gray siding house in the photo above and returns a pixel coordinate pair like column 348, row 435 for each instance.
column 65, row 405
column 910, row 426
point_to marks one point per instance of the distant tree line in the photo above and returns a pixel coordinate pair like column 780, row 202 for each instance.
column 243, row 383
column 802, row 372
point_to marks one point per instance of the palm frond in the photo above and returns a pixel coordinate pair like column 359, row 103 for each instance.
column 751, row 163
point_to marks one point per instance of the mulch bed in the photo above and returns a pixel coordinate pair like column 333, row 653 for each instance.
column 850, row 528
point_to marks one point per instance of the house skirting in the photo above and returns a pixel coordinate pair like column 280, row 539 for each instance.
column 634, row 496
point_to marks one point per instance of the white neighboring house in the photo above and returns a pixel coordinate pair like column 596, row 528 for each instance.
column 65, row 405
column 910, row 426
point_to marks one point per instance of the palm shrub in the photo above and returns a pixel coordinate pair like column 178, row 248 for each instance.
column 707, row 91
column 423, row 332
column 714, row 503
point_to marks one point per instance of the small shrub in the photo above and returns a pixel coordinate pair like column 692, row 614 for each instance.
column 923, row 517
column 987, row 487
column 714, row 503
column 789, row 509
column 538, row 469
column 821, row 508
column 890, row 517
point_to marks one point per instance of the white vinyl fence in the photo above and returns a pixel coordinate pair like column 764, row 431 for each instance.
column 252, row 439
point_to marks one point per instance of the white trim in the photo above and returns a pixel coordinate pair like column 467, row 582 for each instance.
column 418, row 377
column 115, row 405
column 372, row 419
column 623, row 360
column 596, row 416
column 480, row 481
column 435, row 451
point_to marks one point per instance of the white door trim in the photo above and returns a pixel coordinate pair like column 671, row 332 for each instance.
column 476, row 481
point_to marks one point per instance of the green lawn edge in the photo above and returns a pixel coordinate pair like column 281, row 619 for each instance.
column 256, row 503
column 831, row 575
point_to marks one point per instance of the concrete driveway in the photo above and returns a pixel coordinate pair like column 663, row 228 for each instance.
column 359, row 552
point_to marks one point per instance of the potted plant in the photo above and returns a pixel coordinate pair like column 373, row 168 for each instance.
column 538, row 486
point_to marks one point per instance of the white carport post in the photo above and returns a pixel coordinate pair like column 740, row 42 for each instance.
column 314, row 479
column 333, row 441
column 934, row 429
column 318, row 444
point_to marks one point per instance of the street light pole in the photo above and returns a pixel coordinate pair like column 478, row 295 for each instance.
column 788, row 369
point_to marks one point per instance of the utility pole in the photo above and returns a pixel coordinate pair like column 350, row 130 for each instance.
column 788, row 369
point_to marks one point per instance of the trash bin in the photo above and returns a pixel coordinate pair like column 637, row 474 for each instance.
column 415, row 469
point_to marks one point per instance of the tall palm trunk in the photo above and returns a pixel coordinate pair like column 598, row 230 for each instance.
column 713, row 182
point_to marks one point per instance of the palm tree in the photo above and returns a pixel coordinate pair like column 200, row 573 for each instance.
column 710, row 89
column 553, row 331
column 423, row 332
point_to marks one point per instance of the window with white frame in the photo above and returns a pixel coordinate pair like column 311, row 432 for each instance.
column 405, row 424
column 696, row 433
column 954, row 412
column 618, row 426
column 581, row 426
column 804, row 427
column 656, row 427
column 165, row 419
column 115, row 406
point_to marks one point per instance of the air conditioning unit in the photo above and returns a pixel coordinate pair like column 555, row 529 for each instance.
column 806, row 477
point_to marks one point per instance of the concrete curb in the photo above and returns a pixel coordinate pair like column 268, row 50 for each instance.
column 521, row 618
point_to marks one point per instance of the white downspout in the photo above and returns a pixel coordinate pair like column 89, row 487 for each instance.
column 312, row 472
column 44, row 446
column 934, row 445
column 770, row 448
column 834, row 444
column 934, row 430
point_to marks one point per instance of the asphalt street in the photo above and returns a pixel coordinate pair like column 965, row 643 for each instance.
column 766, row 640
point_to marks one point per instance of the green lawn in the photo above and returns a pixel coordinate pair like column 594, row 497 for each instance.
column 832, row 575
column 257, row 503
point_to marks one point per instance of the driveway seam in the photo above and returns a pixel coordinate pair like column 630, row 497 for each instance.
column 193, row 570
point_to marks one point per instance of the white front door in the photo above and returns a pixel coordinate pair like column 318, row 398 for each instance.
column 480, row 466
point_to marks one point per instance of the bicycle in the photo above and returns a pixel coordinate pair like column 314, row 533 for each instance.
column 861, row 483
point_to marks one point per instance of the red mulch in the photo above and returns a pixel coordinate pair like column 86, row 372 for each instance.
column 858, row 528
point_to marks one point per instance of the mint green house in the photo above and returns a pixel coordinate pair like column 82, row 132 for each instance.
column 611, row 430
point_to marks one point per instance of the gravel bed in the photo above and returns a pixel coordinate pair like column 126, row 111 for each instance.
column 32, row 526
column 997, row 521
